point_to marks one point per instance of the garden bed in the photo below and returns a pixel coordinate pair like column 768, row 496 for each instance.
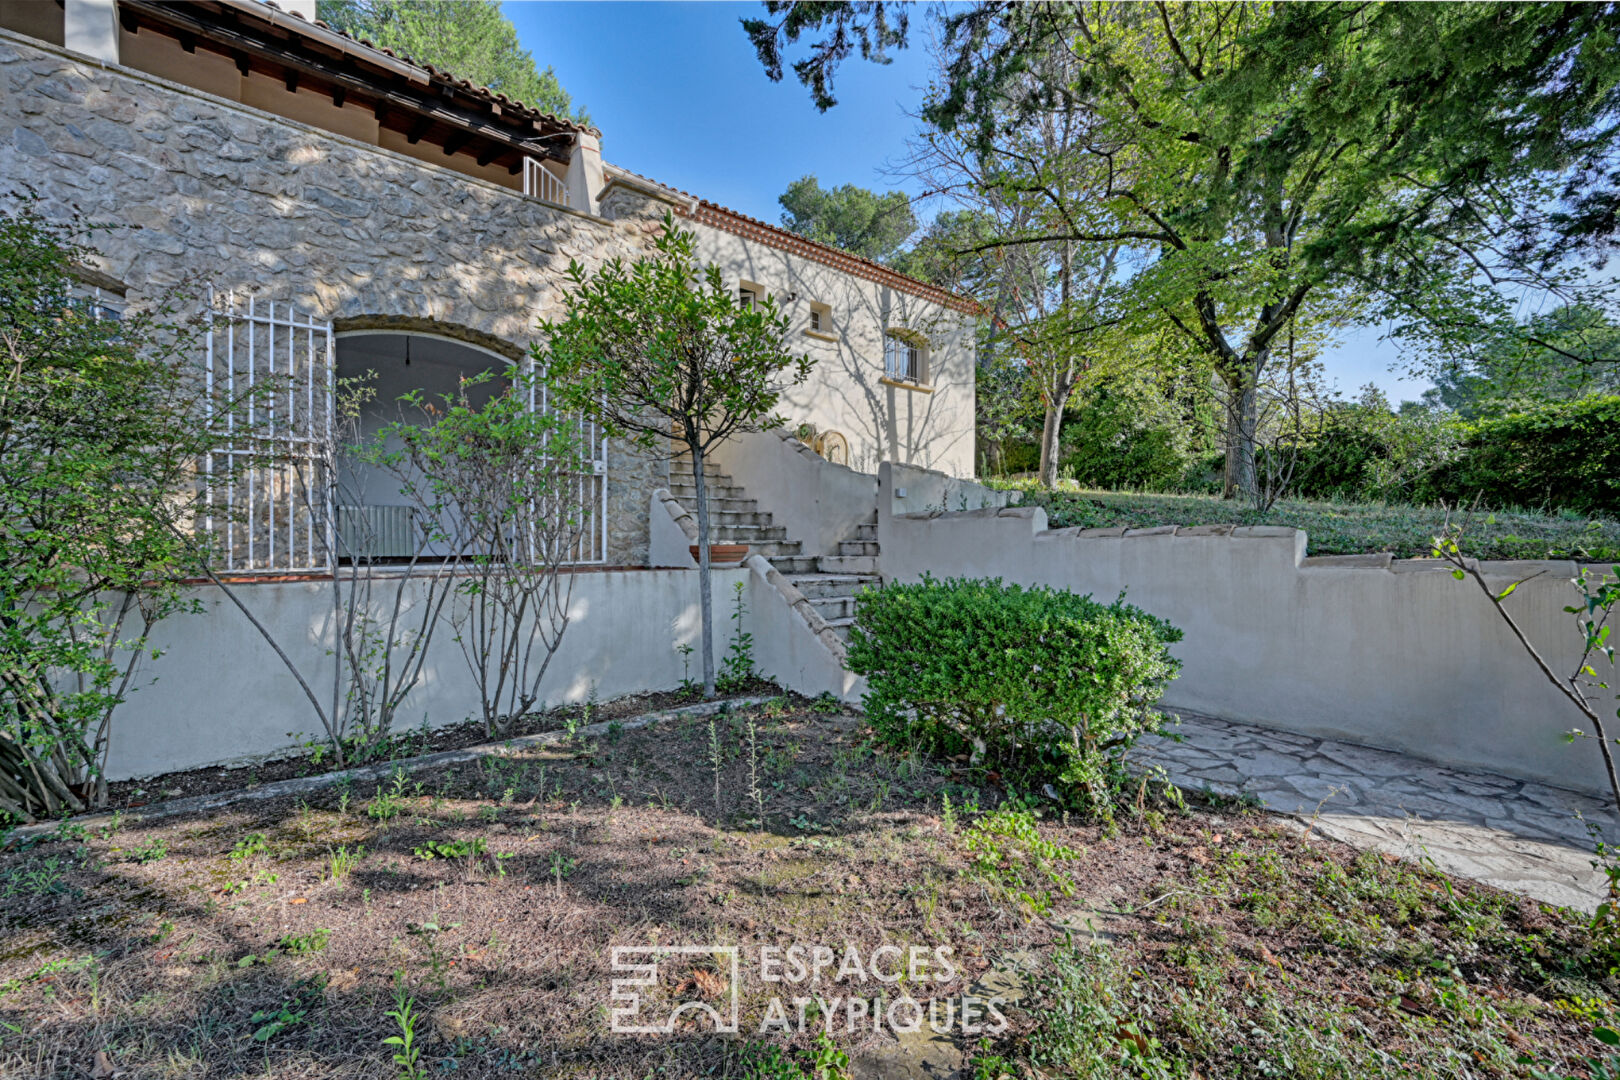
column 315, row 758
column 1343, row 528
column 278, row 937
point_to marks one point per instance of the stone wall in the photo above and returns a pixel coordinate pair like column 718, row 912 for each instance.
column 206, row 190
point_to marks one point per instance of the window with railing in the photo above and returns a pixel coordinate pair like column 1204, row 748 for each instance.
column 903, row 357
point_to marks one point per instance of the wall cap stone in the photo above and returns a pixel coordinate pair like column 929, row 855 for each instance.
column 1373, row 561
column 1204, row 530
column 1157, row 530
column 1257, row 532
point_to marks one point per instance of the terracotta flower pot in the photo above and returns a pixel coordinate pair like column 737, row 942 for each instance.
column 722, row 554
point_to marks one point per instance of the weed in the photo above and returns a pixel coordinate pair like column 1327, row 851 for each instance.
column 452, row 849
column 390, row 804
column 35, row 878
column 737, row 670
column 754, row 791
column 716, row 760
column 250, row 845
column 152, row 851
column 268, row 1023
column 407, row 1054
column 1011, row 855
column 305, row 944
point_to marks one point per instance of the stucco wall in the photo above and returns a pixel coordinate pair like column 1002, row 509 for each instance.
column 213, row 191
column 219, row 694
column 846, row 393
column 818, row 502
column 1393, row 653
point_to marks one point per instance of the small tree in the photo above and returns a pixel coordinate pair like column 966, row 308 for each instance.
column 489, row 485
column 101, row 424
column 660, row 349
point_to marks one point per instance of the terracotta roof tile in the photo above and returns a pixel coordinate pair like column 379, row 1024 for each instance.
column 750, row 228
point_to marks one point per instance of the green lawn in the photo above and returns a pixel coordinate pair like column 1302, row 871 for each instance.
column 1344, row 528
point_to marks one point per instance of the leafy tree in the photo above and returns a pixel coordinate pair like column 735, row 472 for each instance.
column 101, row 424
column 1267, row 160
column 470, row 38
column 1558, row 355
column 860, row 221
column 660, row 351
column 863, row 22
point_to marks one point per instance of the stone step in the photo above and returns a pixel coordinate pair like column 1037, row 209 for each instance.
column 857, row 547
column 795, row 564
column 717, row 516
column 816, row 586
column 746, row 534
column 683, row 464
column 847, row 564
column 865, row 532
column 834, row 607
column 774, row 549
column 721, row 506
column 687, row 493
column 841, row 627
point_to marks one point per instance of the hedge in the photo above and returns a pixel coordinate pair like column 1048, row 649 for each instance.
column 1045, row 686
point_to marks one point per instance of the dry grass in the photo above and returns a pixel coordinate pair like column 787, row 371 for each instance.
column 277, row 940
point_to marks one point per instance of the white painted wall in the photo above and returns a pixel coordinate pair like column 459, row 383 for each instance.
column 845, row 391
column 220, row 694
column 1395, row 654
column 819, row 503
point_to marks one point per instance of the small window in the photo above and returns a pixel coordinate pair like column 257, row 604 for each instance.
column 750, row 295
column 902, row 358
column 820, row 318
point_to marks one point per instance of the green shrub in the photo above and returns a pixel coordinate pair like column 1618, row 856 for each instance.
column 1043, row 685
column 1561, row 454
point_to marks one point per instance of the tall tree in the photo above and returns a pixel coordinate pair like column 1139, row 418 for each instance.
column 856, row 219
column 1266, row 158
column 661, row 351
column 1567, row 352
column 469, row 38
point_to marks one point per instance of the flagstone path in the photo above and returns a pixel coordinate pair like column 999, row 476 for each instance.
column 1525, row 837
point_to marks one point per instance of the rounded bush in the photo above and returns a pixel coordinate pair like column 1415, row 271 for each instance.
column 1040, row 684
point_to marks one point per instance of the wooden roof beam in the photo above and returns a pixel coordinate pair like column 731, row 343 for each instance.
column 430, row 105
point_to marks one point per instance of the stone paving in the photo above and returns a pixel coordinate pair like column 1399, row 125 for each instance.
column 1517, row 835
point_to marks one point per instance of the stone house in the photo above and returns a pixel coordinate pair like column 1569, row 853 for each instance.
column 352, row 212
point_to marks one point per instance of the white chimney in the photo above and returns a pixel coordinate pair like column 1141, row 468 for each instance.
column 585, row 174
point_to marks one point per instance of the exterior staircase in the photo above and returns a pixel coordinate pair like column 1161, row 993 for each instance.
column 829, row 582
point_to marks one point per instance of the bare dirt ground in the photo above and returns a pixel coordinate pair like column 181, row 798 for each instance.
column 291, row 939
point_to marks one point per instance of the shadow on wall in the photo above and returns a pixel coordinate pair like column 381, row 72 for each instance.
column 889, row 423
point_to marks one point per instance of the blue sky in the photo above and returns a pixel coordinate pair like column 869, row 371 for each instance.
column 681, row 97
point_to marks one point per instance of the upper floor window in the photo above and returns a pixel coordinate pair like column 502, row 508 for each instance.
column 904, row 357
column 820, row 318
column 750, row 295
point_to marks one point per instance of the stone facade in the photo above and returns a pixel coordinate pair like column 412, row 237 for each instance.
column 204, row 190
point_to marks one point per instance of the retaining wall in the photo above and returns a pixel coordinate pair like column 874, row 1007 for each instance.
column 1389, row 652
column 220, row 695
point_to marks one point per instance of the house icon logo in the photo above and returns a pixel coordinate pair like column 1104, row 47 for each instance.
column 636, row 970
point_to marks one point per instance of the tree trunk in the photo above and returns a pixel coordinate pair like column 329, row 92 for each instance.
column 705, row 594
column 1242, row 418
column 1051, row 435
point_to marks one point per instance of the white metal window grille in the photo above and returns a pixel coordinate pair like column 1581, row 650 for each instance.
column 269, row 375
column 582, row 495
column 902, row 359
column 541, row 183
